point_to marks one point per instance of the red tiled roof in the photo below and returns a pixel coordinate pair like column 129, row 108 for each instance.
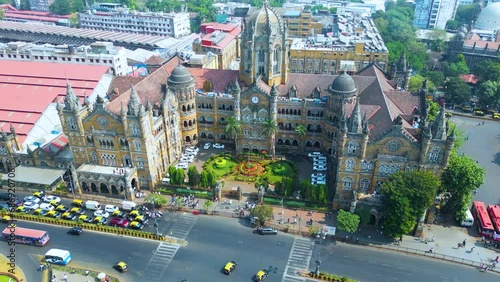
column 27, row 89
column 474, row 38
column 154, row 60
column 121, row 84
column 219, row 78
column 56, row 144
column 207, row 41
column 209, row 27
column 470, row 78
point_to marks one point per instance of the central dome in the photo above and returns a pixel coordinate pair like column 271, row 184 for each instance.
column 180, row 75
column 266, row 21
column 343, row 85
column 489, row 18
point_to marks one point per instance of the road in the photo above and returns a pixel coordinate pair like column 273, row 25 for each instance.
column 484, row 146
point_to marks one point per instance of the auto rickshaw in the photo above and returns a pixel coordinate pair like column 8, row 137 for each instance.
column 121, row 266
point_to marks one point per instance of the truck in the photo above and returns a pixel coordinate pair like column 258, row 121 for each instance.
column 92, row 205
column 128, row 205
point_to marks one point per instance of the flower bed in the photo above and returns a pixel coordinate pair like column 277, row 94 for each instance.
column 220, row 163
column 252, row 169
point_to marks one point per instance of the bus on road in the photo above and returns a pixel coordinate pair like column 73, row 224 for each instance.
column 494, row 212
column 58, row 256
column 26, row 236
column 482, row 219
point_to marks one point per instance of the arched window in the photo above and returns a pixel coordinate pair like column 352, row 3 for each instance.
column 350, row 164
column 93, row 155
column 364, row 184
column 352, row 147
column 71, row 122
column 140, row 162
column 134, row 129
column 137, row 145
column 347, row 183
column 434, row 154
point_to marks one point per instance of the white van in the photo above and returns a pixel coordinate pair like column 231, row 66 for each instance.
column 128, row 205
column 166, row 180
column 469, row 220
column 92, row 205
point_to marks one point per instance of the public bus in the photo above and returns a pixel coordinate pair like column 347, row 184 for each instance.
column 494, row 212
column 25, row 236
column 58, row 256
column 482, row 219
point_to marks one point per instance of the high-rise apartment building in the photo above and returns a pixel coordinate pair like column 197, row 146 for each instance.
column 433, row 14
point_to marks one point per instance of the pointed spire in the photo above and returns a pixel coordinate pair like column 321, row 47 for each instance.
column 439, row 129
column 402, row 61
column 366, row 128
column 236, row 85
column 12, row 130
column 343, row 123
column 134, row 103
column 122, row 110
column 142, row 111
column 274, row 90
column 149, row 107
column 71, row 102
column 355, row 124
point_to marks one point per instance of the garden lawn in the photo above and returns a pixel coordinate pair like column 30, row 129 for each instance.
column 219, row 168
column 276, row 177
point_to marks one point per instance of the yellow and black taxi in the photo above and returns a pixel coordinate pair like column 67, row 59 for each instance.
column 121, row 266
column 6, row 219
column 53, row 214
column 261, row 275
column 99, row 220
column 136, row 225
column 40, row 212
column 495, row 115
column 39, row 194
column 22, row 209
column 77, row 210
column 133, row 214
column 118, row 213
column 54, row 203
column 141, row 218
column 229, row 267
column 68, row 216
column 84, row 218
column 61, row 208
column 78, row 203
column 479, row 113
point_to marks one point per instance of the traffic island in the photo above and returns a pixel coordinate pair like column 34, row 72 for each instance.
column 77, row 274
column 9, row 273
column 329, row 277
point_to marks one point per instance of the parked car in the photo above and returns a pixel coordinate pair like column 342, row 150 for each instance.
column 85, row 218
column 136, row 225
column 318, row 182
column 141, row 218
column 77, row 211
column 267, row 230
column 53, row 214
column 319, row 168
column 99, row 220
column 314, row 154
column 181, row 165
column 323, row 163
column 229, row 267
column 261, row 275
column 207, row 146
column 118, row 213
column 101, row 213
column 31, row 205
column 320, row 159
column 218, row 146
column 51, row 198
column 46, row 206
column 110, row 208
column 69, row 216
column 75, row 231
column 40, row 212
column 318, row 175
column 62, row 208
column 32, row 199
column 120, row 222
column 39, row 194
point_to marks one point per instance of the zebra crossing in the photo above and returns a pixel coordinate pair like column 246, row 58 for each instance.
column 182, row 226
column 159, row 262
column 299, row 258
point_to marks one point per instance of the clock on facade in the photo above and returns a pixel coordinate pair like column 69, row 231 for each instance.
column 255, row 99
column 103, row 122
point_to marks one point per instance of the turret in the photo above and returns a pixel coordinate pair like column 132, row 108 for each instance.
column 274, row 102
column 355, row 124
column 71, row 101
column 134, row 103
column 236, row 91
column 439, row 126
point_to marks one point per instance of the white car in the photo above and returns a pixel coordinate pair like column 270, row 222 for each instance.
column 318, row 178
column 187, row 159
column 110, row 208
column 319, row 168
column 191, row 151
column 320, row 159
column 314, row 154
column 318, row 175
column 46, row 206
column 101, row 213
column 195, row 149
column 319, row 163
column 318, row 182
column 182, row 165
column 31, row 205
column 218, row 146
column 207, row 146
column 50, row 198
column 32, row 199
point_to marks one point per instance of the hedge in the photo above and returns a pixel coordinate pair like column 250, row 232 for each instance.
column 203, row 194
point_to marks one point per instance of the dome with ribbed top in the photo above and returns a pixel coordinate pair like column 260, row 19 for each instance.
column 343, row 85
column 179, row 75
column 265, row 22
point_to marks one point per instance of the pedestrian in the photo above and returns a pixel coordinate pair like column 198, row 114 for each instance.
column 400, row 238
column 357, row 240
column 463, row 243
column 42, row 267
column 472, row 249
column 433, row 238
column 288, row 220
column 483, row 239
column 65, row 277
column 496, row 259
column 294, row 221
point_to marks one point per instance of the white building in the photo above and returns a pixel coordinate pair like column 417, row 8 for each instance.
column 97, row 54
column 433, row 14
column 162, row 24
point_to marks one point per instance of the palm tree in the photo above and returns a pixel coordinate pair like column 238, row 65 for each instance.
column 270, row 129
column 233, row 129
column 302, row 132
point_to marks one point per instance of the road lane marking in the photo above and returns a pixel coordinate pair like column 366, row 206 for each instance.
column 159, row 262
column 298, row 260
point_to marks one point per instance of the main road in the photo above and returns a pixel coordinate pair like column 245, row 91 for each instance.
column 214, row 240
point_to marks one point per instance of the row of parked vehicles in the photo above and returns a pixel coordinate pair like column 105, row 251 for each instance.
column 319, row 166
column 129, row 216
column 187, row 157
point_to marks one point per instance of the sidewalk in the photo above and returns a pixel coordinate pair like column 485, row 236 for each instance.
column 58, row 274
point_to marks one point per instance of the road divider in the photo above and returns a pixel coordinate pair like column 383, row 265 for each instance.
column 97, row 227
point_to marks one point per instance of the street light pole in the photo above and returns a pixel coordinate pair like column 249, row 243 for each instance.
column 318, row 261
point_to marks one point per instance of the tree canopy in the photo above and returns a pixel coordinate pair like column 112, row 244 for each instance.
column 406, row 197
column 347, row 221
column 461, row 177
column 66, row 7
column 457, row 91
column 263, row 212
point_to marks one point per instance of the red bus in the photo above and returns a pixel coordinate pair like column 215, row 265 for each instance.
column 26, row 236
column 494, row 212
column 482, row 219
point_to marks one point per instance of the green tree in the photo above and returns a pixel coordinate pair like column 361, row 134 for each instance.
column 487, row 71
column 73, row 20
column 172, row 171
column 60, row 7
column 467, row 13
column 25, row 5
column 457, row 91
column 270, row 128
column 157, row 199
column 438, row 40
column 433, row 110
column 347, row 221
column 437, row 77
column 414, row 189
column 306, row 190
column 204, row 179
column 399, row 220
column 452, row 24
column 263, row 212
column 416, row 83
column 207, row 204
column 2, row 14
column 489, row 94
column 458, row 67
column 233, row 129
column 301, row 131
column 321, row 198
column 364, row 214
column 461, row 177
column 194, row 176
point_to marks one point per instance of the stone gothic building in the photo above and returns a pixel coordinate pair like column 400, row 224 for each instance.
column 367, row 124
